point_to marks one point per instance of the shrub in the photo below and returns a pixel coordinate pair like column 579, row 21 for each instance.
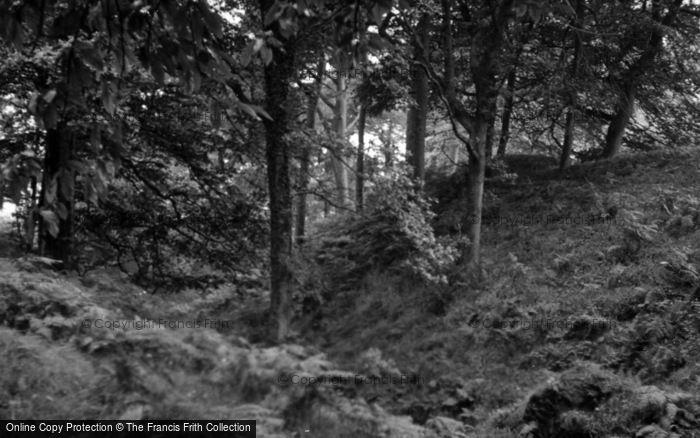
column 393, row 234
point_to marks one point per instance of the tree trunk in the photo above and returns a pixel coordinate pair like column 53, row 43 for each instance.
column 630, row 80
column 360, row 177
column 454, row 155
column 567, row 147
column 616, row 129
column 507, row 113
column 277, row 76
column 490, row 133
column 477, row 169
column 30, row 221
column 565, row 158
column 484, row 66
column 340, row 123
column 418, row 112
column 387, row 138
column 305, row 159
column 57, row 195
column 449, row 75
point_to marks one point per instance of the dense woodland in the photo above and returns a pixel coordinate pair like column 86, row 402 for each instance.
column 380, row 182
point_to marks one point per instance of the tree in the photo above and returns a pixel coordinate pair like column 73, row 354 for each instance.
column 313, row 98
column 88, row 48
column 486, row 45
column 417, row 115
column 360, row 167
column 278, row 75
column 507, row 114
column 649, row 44
column 577, row 24
column 340, row 128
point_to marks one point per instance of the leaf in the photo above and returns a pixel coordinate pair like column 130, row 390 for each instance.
column 287, row 27
column 91, row 192
column 272, row 14
column 32, row 103
column 248, row 109
column 259, row 43
column 211, row 20
column 247, row 54
column 377, row 13
column 49, row 96
column 61, row 211
column 50, row 194
column 262, row 112
column 51, row 220
column 108, row 98
column 266, row 54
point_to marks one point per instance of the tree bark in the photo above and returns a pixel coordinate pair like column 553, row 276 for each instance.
column 360, row 170
column 632, row 76
column 58, row 195
column 618, row 125
column 449, row 73
column 340, row 122
column 507, row 114
column 418, row 112
column 477, row 170
column 388, row 145
column 486, row 92
column 484, row 64
column 567, row 147
column 490, row 133
column 305, row 159
column 277, row 76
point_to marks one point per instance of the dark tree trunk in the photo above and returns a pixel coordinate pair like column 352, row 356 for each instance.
column 58, row 196
column 631, row 78
column 486, row 94
column 30, row 221
column 388, row 156
column 360, row 174
column 305, row 159
column 565, row 158
column 507, row 114
column 475, row 195
column 484, row 66
column 623, row 114
column 277, row 76
column 567, row 147
column 304, row 167
column 418, row 112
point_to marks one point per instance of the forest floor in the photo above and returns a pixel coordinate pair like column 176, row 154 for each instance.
column 587, row 323
column 592, row 269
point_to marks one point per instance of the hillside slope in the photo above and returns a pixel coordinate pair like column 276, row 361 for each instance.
column 98, row 347
column 590, row 304
column 586, row 325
